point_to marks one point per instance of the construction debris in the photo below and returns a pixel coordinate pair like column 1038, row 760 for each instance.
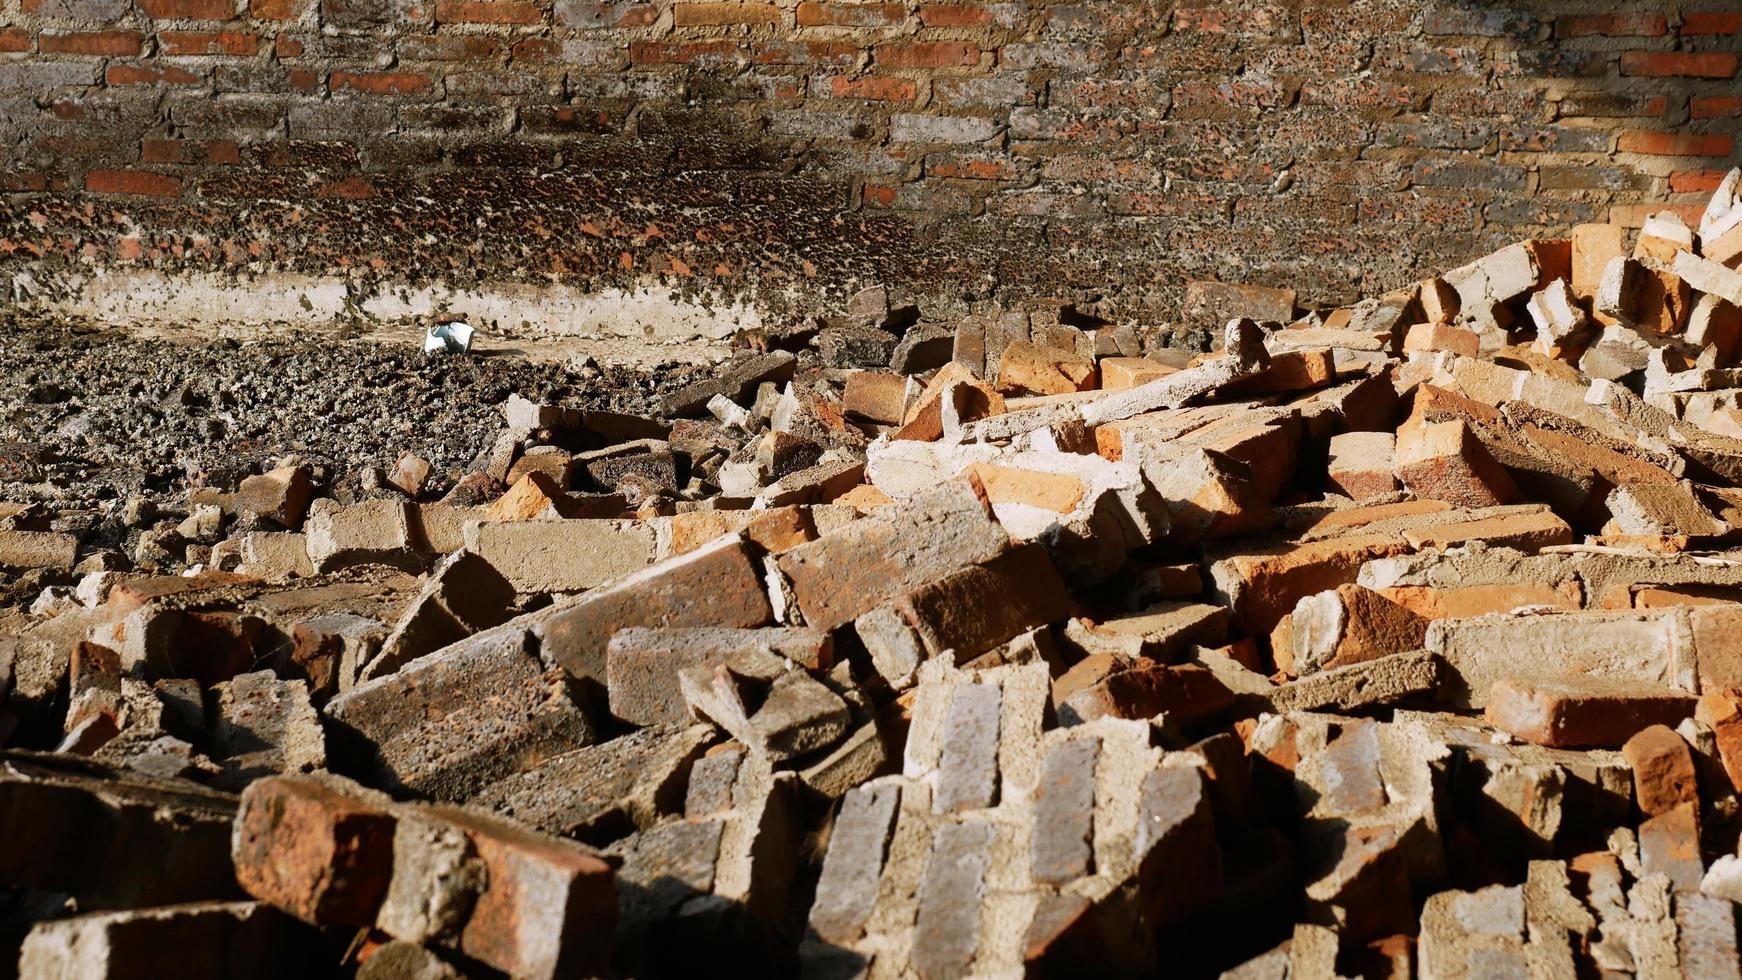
column 1398, row 639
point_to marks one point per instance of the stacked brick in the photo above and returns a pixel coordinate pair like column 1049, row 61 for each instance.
column 1339, row 149
column 1398, row 638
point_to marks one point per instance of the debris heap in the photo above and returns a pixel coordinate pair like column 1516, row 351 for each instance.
column 1404, row 638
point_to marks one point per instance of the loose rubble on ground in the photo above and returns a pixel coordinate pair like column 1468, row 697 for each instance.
column 1402, row 639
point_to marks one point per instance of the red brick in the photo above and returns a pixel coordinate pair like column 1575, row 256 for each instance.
column 486, row 12
column 955, row 15
column 380, row 82
column 275, row 9
column 141, row 75
column 928, row 54
column 314, row 851
column 680, row 52
column 90, row 42
column 1713, row 106
column 1676, row 144
column 163, row 151
column 189, row 9
column 351, row 188
column 880, row 89
column 806, row 53
column 718, row 584
column 132, row 182
column 1703, row 181
column 978, row 168
column 547, row 907
column 1582, row 711
column 1711, row 22
column 1658, row 64
column 13, row 39
column 828, row 14
column 1663, row 770
column 1613, row 25
column 221, row 42
column 190, row 151
column 285, row 46
column 535, row 49
column 454, row 47
column 722, row 14
column 1721, row 711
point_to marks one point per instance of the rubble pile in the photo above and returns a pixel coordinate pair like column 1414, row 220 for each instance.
column 1401, row 639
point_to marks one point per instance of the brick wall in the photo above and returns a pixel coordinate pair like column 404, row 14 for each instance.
column 975, row 155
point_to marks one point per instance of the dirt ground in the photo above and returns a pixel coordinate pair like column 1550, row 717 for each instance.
column 91, row 418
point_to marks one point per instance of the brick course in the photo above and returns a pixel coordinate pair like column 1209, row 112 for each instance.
column 1102, row 153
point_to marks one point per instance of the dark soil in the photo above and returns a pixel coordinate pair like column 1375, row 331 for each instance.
column 89, row 418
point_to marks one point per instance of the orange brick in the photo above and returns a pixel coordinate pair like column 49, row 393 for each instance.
column 1118, row 373
column 221, row 42
column 972, row 399
column 1295, row 370
column 1262, row 586
column 875, row 395
column 1445, row 461
column 723, row 14
column 13, row 39
column 864, row 497
column 1362, row 464
column 1480, row 600
column 1441, row 337
column 1524, row 532
column 1688, row 64
column 1005, row 484
column 90, row 42
column 486, row 12
column 132, row 182
column 1038, row 370
column 1676, row 144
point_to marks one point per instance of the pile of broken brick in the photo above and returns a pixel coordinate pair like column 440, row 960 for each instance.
column 1406, row 636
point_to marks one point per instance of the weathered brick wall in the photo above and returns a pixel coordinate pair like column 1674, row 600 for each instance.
column 974, row 154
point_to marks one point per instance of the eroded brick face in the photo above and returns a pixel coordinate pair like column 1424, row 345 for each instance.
column 1105, row 152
